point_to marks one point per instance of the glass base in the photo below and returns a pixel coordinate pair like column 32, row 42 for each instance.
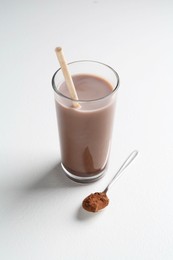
column 83, row 179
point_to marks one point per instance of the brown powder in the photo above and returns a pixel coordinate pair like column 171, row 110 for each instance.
column 95, row 202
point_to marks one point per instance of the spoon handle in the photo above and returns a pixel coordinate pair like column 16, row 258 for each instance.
column 126, row 163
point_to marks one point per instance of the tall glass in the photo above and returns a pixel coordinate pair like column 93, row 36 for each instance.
column 85, row 131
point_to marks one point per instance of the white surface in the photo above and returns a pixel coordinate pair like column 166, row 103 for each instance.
column 40, row 213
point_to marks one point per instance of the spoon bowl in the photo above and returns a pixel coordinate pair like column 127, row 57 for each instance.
column 99, row 200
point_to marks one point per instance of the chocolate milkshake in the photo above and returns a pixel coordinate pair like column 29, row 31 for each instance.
column 85, row 132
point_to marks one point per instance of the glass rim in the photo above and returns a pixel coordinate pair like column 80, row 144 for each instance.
column 88, row 100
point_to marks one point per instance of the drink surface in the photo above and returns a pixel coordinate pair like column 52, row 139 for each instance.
column 85, row 133
column 88, row 87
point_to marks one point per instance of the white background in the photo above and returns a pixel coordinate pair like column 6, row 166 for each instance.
column 40, row 208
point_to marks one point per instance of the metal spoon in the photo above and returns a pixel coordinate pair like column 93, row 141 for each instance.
column 99, row 200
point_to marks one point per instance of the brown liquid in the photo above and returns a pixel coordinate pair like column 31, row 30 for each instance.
column 85, row 132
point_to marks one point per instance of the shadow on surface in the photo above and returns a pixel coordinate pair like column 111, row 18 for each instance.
column 31, row 189
column 41, row 184
column 84, row 215
column 54, row 178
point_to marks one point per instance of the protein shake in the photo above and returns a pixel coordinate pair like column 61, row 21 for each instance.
column 85, row 132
